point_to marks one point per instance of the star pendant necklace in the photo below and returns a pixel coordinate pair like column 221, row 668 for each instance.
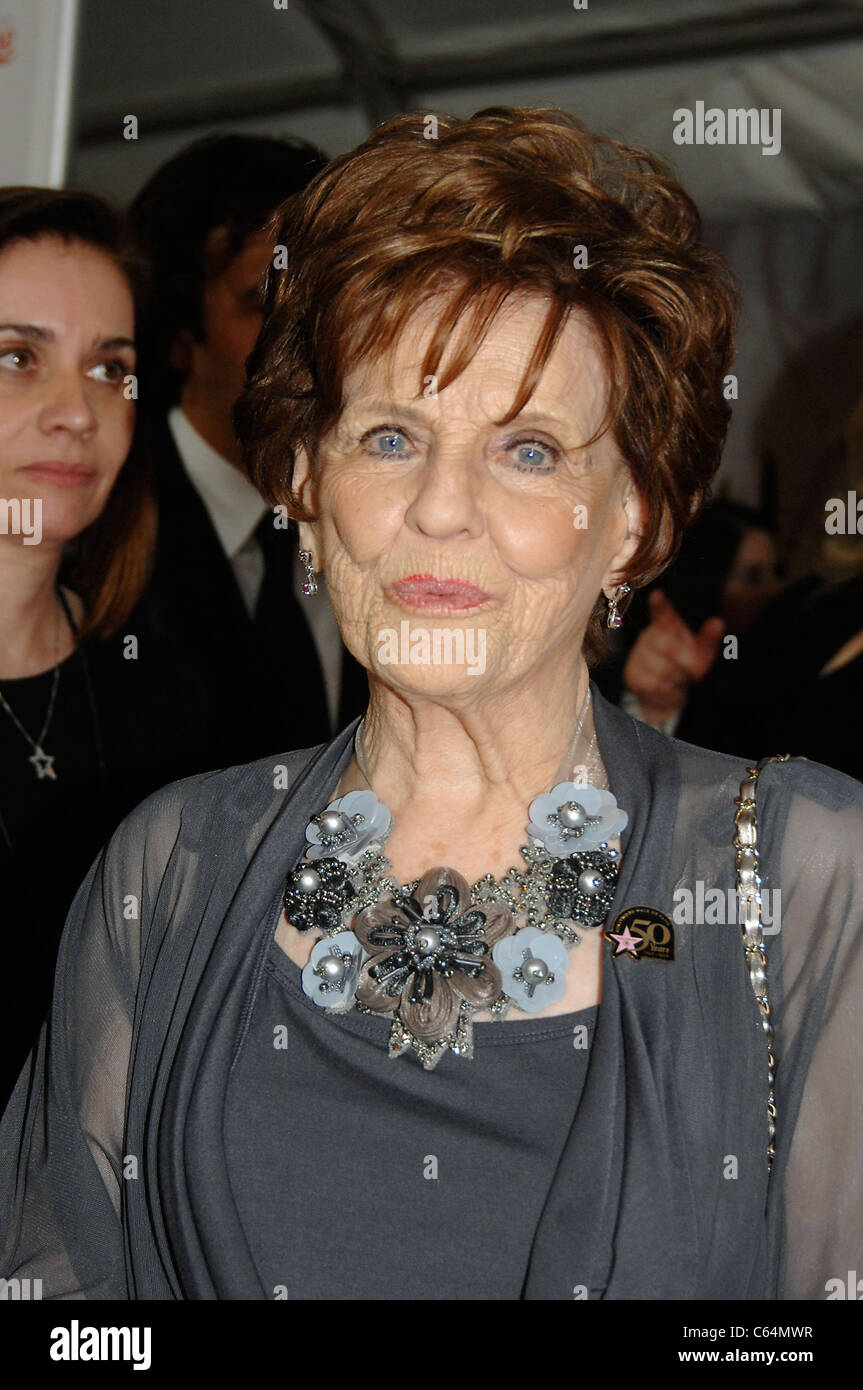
column 43, row 763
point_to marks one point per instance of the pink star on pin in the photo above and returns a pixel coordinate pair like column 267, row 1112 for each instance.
column 626, row 941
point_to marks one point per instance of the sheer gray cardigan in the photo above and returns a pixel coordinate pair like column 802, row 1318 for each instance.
column 113, row 1180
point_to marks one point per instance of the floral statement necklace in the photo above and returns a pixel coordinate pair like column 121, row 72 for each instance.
column 433, row 952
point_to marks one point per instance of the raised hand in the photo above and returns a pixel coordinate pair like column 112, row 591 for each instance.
column 668, row 657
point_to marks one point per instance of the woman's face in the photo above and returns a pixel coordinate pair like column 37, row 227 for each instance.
column 431, row 515
column 66, row 344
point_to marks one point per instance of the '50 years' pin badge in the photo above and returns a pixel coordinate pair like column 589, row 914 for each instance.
column 643, row 933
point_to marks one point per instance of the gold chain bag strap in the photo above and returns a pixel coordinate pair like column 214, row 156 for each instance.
column 749, row 899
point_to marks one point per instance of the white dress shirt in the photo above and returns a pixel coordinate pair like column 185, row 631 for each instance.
column 630, row 704
column 235, row 508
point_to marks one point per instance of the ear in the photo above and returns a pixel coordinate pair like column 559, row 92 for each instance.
column 303, row 486
column 634, row 518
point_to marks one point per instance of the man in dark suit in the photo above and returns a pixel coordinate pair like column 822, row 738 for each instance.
column 226, row 589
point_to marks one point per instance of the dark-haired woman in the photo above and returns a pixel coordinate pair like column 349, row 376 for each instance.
column 80, row 735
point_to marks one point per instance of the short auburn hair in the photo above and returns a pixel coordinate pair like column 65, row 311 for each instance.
column 509, row 200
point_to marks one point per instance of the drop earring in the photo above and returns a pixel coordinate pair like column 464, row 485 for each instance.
column 615, row 618
column 310, row 583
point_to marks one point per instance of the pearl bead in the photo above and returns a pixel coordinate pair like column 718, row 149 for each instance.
column 332, row 822
column 535, row 970
column 427, row 941
column 572, row 815
column 308, row 881
column 333, row 968
column 590, row 882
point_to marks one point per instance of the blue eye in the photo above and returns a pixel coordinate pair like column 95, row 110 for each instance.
column 532, row 456
column 393, row 441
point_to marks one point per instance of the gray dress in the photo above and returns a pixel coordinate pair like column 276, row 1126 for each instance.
column 119, row 1179
column 387, row 1159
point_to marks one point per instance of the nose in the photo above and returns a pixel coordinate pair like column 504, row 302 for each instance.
column 67, row 406
column 447, row 501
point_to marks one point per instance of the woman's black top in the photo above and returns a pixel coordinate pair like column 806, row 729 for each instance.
column 120, row 727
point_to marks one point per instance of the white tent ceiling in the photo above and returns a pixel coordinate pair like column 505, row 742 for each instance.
column 331, row 68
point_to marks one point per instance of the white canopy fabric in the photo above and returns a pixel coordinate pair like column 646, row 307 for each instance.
column 624, row 66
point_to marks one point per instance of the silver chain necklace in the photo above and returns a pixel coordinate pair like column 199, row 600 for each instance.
column 43, row 763
column 359, row 751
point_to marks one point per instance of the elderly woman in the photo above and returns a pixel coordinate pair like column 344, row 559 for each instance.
column 461, row 1004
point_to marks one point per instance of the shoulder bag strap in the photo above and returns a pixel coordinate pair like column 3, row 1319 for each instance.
column 749, row 898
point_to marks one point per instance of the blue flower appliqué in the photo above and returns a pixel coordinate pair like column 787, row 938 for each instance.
column 330, row 978
column 348, row 826
column 533, row 966
column 575, row 816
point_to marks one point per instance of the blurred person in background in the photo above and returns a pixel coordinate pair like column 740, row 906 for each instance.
column 86, row 727
column 227, row 580
column 796, row 681
column 727, row 569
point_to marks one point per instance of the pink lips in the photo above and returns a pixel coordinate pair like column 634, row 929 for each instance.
column 426, row 592
column 60, row 474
